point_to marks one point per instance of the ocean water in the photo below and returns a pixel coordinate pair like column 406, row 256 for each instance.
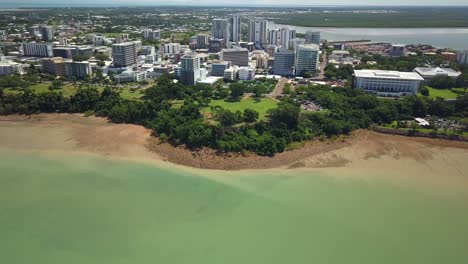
column 78, row 208
column 453, row 38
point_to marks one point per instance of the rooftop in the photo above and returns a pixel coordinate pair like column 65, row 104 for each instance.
column 431, row 72
column 388, row 75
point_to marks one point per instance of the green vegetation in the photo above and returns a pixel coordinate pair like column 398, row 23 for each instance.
column 261, row 106
column 263, row 126
column 445, row 93
column 410, row 17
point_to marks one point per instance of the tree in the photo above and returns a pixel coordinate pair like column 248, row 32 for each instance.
column 56, row 84
column 237, row 90
column 424, row 91
column 79, row 57
column 250, row 115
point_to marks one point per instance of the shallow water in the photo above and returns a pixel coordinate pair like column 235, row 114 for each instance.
column 79, row 208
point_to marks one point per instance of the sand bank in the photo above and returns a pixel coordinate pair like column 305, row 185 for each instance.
column 363, row 151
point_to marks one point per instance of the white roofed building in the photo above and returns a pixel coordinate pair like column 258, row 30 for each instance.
column 387, row 83
column 429, row 73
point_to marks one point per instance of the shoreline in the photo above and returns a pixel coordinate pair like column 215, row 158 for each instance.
column 74, row 132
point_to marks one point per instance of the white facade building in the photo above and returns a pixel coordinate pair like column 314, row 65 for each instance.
column 220, row 29
column 37, row 49
column 246, row 73
column 429, row 73
column 258, row 32
column 388, row 83
column 235, row 29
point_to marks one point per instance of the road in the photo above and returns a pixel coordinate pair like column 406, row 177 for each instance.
column 323, row 64
column 278, row 88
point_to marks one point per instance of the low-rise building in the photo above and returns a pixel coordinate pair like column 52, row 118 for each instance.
column 54, row 66
column 428, row 73
column 246, row 73
column 387, row 83
column 130, row 76
column 218, row 68
column 10, row 67
column 77, row 69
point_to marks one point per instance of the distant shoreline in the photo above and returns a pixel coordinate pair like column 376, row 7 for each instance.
column 74, row 132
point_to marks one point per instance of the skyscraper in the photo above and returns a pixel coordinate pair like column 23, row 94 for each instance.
column 274, row 37
column 307, row 59
column 235, row 28
column 47, row 33
column 124, row 54
column 281, row 36
column 202, row 41
column 312, row 37
column 220, row 29
column 189, row 72
column 284, row 62
column 258, row 32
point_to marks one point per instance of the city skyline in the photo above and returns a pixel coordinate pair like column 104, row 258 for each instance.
column 243, row 3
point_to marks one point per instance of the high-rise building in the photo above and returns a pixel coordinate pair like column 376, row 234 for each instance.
column 235, row 28
column 77, row 69
column 124, row 54
column 312, row 37
column 3, row 35
column 258, row 32
column 171, row 48
column 151, row 34
column 274, row 37
column 307, row 59
column 398, row 50
column 281, row 36
column 37, row 49
column 462, row 57
column 47, row 33
column 189, row 71
column 284, row 62
column 202, row 41
column 34, row 30
column 220, row 29
column 54, row 66
column 237, row 56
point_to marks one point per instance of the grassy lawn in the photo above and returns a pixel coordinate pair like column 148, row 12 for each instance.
column 261, row 106
column 445, row 93
column 130, row 94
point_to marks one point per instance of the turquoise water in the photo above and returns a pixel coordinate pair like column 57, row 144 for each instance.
column 87, row 209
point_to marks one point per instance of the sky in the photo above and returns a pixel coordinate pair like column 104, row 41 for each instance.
column 14, row 3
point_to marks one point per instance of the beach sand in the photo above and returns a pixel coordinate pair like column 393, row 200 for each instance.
column 363, row 153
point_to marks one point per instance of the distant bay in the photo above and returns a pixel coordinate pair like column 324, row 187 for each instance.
column 454, row 38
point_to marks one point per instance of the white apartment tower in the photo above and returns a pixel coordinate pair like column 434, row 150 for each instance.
column 235, row 29
column 258, row 32
column 220, row 29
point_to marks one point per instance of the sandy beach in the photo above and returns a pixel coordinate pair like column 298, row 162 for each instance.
column 363, row 151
